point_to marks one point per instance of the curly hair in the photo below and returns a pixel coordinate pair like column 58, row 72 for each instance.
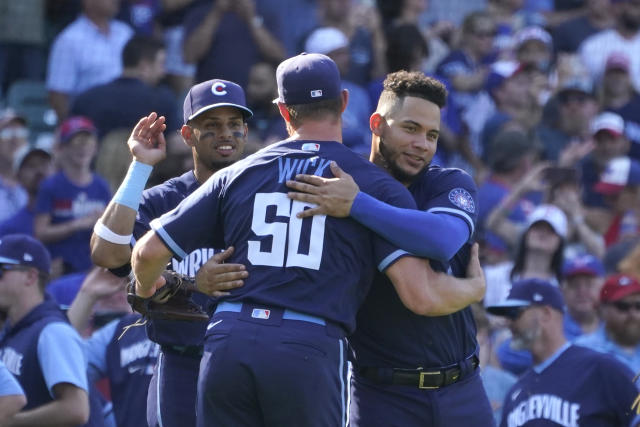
column 401, row 84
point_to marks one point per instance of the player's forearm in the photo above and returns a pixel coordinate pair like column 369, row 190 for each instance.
column 148, row 261
column 424, row 234
column 120, row 220
column 10, row 405
column 450, row 294
column 199, row 41
column 80, row 311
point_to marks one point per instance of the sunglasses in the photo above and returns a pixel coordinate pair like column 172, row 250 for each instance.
column 14, row 133
column 513, row 313
column 11, row 267
column 626, row 306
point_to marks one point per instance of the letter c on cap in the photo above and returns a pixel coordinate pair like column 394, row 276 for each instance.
column 218, row 88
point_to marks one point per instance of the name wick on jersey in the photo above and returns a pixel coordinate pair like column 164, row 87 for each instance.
column 547, row 407
column 288, row 168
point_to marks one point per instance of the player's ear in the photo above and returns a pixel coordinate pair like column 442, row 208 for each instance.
column 344, row 95
column 187, row 135
column 284, row 112
column 376, row 122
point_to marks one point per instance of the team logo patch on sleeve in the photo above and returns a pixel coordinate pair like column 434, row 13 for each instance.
column 462, row 199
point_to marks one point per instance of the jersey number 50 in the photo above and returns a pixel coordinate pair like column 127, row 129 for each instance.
column 286, row 236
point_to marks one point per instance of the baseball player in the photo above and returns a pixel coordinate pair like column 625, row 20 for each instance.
column 568, row 385
column 215, row 115
column 275, row 352
column 428, row 374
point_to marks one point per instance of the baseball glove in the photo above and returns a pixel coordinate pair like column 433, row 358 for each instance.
column 170, row 302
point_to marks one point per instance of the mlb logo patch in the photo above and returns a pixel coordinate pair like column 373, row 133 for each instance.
column 260, row 313
column 316, row 93
column 309, row 146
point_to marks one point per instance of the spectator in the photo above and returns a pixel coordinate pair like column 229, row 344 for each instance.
column 569, row 127
column 620, row 97
column 266, row 126
column 591, row 386
column 619, row 335
column 132, row 95
column 624, row 37
column 214, row 33
column 568, row 36
column 512, row 188
column 355, row 118
column 620, row 184
column 120, row 353
column 22, row 38
column 13, row 138
column 582, row 281
column 40, row 347
column 70, row 201
column 35, row 166
column 609, row 142
column 86, row 53
column 534, row 46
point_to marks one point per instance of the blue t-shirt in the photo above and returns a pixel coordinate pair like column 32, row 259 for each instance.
column 424, row 341
column 21, row 222
column 321, row 266
column 65, row 201
column 574, row 387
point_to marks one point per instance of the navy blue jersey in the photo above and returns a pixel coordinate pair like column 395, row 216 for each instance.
column 321, row 265
column 577, row 387
column 156, row 201
column 391, row 335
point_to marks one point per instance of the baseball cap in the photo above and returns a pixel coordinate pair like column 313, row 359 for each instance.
column 532, row 33
column 307, row 78
column 552, row 215
column 583, row 264
column 325, row 40
column 25, row 155
column 9, row 115
column 608, row 121
column 213, row 94
column 620, row 172
column 526, row 293
column 501, row 71
column 22, row 249
column 580, row 84
column 618, row 61
column 73, row 126
column 619, row 286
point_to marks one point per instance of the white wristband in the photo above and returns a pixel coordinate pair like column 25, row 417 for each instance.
column 101, row 230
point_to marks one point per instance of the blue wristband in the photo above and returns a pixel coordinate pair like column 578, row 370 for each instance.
column 130, row 191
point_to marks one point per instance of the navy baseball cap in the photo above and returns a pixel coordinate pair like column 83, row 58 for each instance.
column 213, row 94
column 22, row 249
column 526, row 293
column 307, row 78
column 586, row 264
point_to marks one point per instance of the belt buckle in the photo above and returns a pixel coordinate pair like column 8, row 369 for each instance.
column 423, row 375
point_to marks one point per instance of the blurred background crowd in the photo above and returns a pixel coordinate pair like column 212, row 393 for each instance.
column 543, row 111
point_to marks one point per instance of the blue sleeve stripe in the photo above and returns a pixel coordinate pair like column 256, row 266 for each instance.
column 156, row 225
column 391, row 258
column 456, row 212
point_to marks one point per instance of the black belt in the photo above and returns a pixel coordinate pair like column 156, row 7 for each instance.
column 194, row 351
column 423, row 379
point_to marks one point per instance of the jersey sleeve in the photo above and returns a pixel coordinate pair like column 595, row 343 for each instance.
column 61, row 354
column 97, row 350
column 193, row 222
column 457, row 195
column 9, row 385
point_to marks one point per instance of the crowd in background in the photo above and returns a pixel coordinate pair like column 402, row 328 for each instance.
column 543, row 111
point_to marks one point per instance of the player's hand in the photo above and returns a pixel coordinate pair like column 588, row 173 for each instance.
column 333, row 196
column 215, row 278
column 147, row 143
column 475, row 274
column 146, row 291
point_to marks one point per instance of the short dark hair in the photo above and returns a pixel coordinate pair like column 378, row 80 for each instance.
column 402, row 42
column 298, row 113
column 140, row 48
column 401, row 84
